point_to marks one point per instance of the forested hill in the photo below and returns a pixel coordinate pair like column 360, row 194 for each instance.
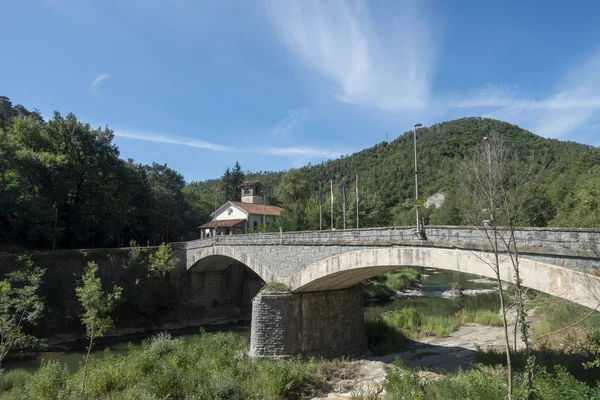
column 388, row 168
column 63, row 185
column 570, row 188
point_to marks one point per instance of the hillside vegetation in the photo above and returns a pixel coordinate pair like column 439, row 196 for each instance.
column 63, row 185
column 568, row 195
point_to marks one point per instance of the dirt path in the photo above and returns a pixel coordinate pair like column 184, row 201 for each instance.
column 432, row 355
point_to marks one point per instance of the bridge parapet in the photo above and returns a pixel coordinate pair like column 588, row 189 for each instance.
column 586, row 240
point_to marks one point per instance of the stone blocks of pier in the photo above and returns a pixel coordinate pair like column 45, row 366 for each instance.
column 328, row 324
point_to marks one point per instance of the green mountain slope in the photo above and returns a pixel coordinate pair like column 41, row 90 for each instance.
column 386, row 169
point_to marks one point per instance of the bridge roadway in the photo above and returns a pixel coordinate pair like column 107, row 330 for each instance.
column 323, row 313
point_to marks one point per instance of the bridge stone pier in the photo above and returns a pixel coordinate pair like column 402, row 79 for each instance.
column 322, row 314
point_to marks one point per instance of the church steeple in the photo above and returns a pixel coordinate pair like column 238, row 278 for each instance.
column 252, row 192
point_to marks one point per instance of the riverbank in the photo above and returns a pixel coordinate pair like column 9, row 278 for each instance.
column 216, row 366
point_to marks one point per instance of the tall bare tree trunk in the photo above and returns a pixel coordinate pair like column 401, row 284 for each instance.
column 85, row 365
column 504, row 321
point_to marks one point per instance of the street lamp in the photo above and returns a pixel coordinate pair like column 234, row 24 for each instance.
column 491, row 192
column 419, row 230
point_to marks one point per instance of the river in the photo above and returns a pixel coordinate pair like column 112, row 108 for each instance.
column 436, row 282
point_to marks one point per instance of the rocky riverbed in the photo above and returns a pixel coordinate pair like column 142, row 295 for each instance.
column 434, row 356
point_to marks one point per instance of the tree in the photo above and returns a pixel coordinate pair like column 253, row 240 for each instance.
column 293, row 192
column 582, row 207
column 167, row 205
column 162, row 261
column 231, row 181
column 497, row 185
column 97, row 307
column 19, row 305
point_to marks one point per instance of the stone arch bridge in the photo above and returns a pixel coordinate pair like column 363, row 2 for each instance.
column 323, row 313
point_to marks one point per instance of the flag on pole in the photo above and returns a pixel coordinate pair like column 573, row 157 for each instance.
column 320, row 195
column 357, row 188
column 344, row 193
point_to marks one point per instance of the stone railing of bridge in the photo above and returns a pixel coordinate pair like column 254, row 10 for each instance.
column 285, row 253
column 578, row 242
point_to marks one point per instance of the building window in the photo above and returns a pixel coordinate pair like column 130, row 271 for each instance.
column 255, row 224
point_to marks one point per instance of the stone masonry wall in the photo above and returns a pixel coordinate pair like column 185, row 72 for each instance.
column 584, row 239
column 284, row 254
column 181, row 299
column 329, row 324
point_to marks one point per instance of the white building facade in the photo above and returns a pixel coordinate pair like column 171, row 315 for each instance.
column 238, row 217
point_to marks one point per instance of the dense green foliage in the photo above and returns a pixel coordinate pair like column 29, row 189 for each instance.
column 209, row 366
column 482, row 383
column 20, row 305
column 386, row 285
column 63, row 185
column 566, row 196
column 97, row 307
column 215, row 366
column 231, row 181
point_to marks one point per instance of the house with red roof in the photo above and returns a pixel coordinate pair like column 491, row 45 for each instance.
column 237, row 217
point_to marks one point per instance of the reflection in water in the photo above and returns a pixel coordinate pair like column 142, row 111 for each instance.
column 432, row 303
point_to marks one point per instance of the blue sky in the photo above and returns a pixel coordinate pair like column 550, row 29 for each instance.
column 277, row 84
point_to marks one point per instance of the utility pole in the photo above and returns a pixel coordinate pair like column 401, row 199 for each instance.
column 356, row 201
column 420, row 232
column 331, row 189
column 320, row 207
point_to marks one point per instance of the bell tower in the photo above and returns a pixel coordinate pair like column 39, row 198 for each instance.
column 252, row 192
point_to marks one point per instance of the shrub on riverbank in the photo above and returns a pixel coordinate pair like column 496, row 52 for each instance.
column 208, row 366
column 482, row 382
column 384, row 286
column 415, row 324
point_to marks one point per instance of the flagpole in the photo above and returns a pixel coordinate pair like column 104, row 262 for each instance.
column 356, row 201
column 344, row 207
column 331, row 187
column 320, row 207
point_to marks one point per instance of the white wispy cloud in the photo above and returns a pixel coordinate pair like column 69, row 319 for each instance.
column 183, row 141
column 286, row 126
column 99, row 79
column 573, row 105
column 290, row 151
column 337, row 41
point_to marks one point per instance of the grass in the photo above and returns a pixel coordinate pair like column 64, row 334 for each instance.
column 388, row 332
column 415, row 324
column 276, row 287
column 568, row 347
column 485, row 383
column 384, row 286
column 554, row 314
column 389, row 327
column 208, row 366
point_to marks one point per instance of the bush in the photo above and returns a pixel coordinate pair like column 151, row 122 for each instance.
column 49, row 382
column 276, row 287
column 404, row 318
column 384, row 286
column 13, row 379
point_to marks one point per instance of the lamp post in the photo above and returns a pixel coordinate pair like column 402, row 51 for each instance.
column 489, row 150
column 419, row 233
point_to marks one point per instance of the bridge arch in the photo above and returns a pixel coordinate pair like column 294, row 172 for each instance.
column 220, row 257
column 348, row 269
